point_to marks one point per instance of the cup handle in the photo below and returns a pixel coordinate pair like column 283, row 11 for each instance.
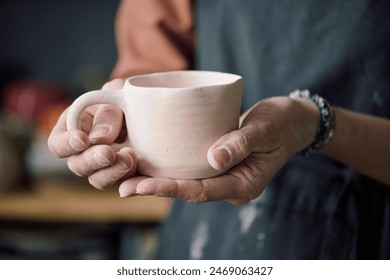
column 90, row 98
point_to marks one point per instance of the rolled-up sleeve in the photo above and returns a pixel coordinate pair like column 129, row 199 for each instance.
column 152, row 36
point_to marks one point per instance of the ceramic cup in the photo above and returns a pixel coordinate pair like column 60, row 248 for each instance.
column 172, row 118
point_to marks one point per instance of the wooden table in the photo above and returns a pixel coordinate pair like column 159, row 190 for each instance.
column 76, row 201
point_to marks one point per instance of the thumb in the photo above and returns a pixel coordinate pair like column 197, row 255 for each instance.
column 231, row 148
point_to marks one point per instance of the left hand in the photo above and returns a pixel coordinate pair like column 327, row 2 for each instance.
column 270, row 133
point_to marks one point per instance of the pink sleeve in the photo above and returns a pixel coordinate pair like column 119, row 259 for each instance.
column 152, row 36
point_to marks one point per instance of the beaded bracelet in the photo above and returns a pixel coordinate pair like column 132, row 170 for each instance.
column 327, row 123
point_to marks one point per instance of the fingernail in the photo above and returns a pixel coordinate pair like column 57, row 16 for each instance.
column 76, row 143
column 101, row 160
column 99, row 131
column 221, row 156
column 126, row 193
column 126, row 161
column 141, row 190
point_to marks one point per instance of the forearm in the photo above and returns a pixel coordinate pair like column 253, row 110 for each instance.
column 361, row 142
column 153, row 36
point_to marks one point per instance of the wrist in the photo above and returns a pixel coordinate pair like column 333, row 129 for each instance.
column 324, row 120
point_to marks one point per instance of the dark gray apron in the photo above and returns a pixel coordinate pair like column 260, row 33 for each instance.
column 314, row 208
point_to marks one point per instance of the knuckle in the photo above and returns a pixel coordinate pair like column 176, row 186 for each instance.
column 269, row 130
column 106, row 110
column 252, row 186
column 240, row 139
column 242, row 142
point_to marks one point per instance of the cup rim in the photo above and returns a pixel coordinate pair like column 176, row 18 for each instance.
column 161, row 79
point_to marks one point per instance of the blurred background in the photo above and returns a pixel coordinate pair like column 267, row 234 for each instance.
column 51, row 51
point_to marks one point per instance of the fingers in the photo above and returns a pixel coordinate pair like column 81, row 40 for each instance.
column 64, row 143
column 92, row 159
column 103, row 166
column 124, row 166
column 90, row 151
column 190, row 190
column 259, row 132
column 103, row 123
column 232, row 148
column 107, row 125
column 108, row 119
column 241, row 184
column 252, row 155
column 129, row 187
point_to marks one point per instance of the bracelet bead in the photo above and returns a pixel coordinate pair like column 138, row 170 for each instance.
column 327, row 120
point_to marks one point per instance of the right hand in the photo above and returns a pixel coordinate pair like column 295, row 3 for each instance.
column 91, row 151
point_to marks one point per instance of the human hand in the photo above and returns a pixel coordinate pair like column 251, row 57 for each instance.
column 270, row 133
column 91, row 151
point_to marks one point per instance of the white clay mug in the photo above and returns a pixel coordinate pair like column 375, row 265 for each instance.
column 172, row 118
